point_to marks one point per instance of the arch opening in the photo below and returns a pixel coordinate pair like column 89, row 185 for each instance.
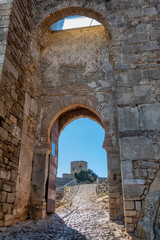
column 81, row 140
column 73, row 22
column 64, row 119
column 43, row 23
column 69, row 114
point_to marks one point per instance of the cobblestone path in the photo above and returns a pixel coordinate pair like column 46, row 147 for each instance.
column 86, row 219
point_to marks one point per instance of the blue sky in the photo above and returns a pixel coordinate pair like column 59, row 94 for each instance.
column 82, row 139
column 74, row 22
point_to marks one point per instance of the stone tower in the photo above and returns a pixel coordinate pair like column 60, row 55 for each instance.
column 76, row 166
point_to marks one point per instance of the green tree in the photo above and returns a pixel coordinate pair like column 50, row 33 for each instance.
column 86, row 175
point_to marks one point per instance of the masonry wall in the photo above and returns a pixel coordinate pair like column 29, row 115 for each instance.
column 137, row 77
column 18, row 112
column 5, row 11
column 132, row 54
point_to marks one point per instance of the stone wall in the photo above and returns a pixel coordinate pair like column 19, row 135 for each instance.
column 138, row 107
column 67, row 175
column 102, row 187
column 113, row 72
column 18, row 113
column 5, row 11
column 62, row 181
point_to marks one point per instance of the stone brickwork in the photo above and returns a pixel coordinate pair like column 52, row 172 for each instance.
column 102, row 187
column 17, row 119
column 5, row 11
column 110, row 71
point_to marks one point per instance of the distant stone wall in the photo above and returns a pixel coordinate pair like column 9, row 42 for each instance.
column 67, row 175
column 62, row 181
column 101, row 180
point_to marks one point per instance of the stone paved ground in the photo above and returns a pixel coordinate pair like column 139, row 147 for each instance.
column 86, row 219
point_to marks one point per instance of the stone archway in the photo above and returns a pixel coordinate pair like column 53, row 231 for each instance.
column 72, row 77
column 73, row 112
column 132, row 120
column 90, row 74
column 57, row 123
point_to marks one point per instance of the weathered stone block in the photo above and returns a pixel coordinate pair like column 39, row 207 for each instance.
column 26, row 141
column 149, row 11
column 133, row 190
column 140, row 173
column 25, row 127
column 1, row 223
column 138, row 205
column 131, row 77
column 9, row 208
column 130, row 213
column 9, row 219
column 128, row 119
column 10, row 149
column 113, row 162
column 25, row 162
column 34, row 106
column 151, row 175
column 151, row 74
column 5, row 207
column 129, row 205
column 3, row 196
column 149, row 46
column 3, row 174
column 2, row 109
column 134, row 148
column 150, row 116
column 10, row 197
column 125, row 98
column 133, row 181
column 130, row 48
column 3, row 134
column 128, row 220
column 23, row 189
column 148, row 165
column 6, row 187
column 144, row 92
column 10, row 67
column 120, row 66
column 13, row 175
column 13, row 119
column 14, row 95
column 16, row 131
column 130, row 227
column 139, row 38
column 27, row 104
